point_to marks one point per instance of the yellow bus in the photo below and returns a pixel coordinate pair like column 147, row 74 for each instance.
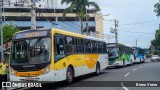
column 55, row 55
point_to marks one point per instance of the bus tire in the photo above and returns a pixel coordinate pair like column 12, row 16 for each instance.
column 69, row 75
column 140, row 61
column 97, row 69
column 123, row 63
column 131, row 62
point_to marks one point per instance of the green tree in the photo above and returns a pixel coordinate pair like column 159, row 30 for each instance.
column 156, row 41
column 80, row 7
column 8, row 32
column 157, row 9
column 156, row 52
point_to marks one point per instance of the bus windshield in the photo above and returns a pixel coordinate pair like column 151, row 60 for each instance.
column 31, row 51
column 113, row 52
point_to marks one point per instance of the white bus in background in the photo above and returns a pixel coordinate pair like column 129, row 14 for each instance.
column 139, row 55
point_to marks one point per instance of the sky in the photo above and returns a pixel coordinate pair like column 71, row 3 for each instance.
column 136, row 20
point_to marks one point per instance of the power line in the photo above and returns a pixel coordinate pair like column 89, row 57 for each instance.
column 74, row 24
column 54, row 13
column 137, row 27
column 136, row 23
column 135, row 32
column 52, row 22
column 140, row 27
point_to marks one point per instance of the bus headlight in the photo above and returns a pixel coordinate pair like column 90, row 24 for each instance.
column 12, row 72
column 47, row 69
column 118, row 62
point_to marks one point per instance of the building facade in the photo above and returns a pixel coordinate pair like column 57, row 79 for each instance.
column 27, row 3
column 17, row 12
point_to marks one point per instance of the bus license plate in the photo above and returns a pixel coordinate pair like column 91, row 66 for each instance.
column 29, row 79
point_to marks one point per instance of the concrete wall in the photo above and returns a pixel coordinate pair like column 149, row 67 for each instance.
column 98, row 19
column 99, row 25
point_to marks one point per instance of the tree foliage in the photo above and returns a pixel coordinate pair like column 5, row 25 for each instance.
column 80, row 7
column 156, row 52
column 156, row 41
column 8, row 32
column 157, row 8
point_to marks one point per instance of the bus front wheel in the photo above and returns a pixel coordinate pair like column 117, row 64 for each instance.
column 123, row 63
column 97, row 69
column 140, row 61
column 69, row 75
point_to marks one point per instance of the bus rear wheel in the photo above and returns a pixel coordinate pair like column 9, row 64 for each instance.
column 69, row 76
column 97, row 69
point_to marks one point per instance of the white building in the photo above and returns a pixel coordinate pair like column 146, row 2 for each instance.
column 47, row 3
column 27, row 3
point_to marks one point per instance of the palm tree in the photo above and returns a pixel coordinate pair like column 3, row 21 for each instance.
column 80, row 7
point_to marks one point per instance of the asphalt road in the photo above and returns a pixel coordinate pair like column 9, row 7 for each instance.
column 148, row 71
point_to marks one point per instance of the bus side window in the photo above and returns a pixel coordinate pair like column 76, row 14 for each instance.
column 69, row 45
column 75, row 45
column 79, row 45
column 94, row 47
column 100, row 47
column 59, row 47
column 104, row 48
column 87, row 44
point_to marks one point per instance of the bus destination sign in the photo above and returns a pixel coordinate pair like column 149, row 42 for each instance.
column 31, row 34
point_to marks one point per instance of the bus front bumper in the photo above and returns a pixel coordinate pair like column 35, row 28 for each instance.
column 116, row 64
column 45, row 77
column 138, row 60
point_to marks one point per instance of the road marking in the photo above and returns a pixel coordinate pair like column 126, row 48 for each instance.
column 127, row 74
column 134, row 69
column 125, row 88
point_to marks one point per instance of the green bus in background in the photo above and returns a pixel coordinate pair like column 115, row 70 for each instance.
column 119, row 55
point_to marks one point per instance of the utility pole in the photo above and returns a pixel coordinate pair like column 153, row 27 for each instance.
column 116, row 31
column 1, row 21
column 88, row 32
column 57, row 21
column 33, row 14
column 136, row 42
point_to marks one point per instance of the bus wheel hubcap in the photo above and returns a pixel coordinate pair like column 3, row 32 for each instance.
column 69, row 75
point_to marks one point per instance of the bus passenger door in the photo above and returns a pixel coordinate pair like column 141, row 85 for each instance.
column 59, row 58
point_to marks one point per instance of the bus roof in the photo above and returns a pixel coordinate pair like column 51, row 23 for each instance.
column 76, row 34
column 54, row 30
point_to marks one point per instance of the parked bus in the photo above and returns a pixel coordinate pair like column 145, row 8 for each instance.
column 139, row 55
column 119, row 55
column 55, row 55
